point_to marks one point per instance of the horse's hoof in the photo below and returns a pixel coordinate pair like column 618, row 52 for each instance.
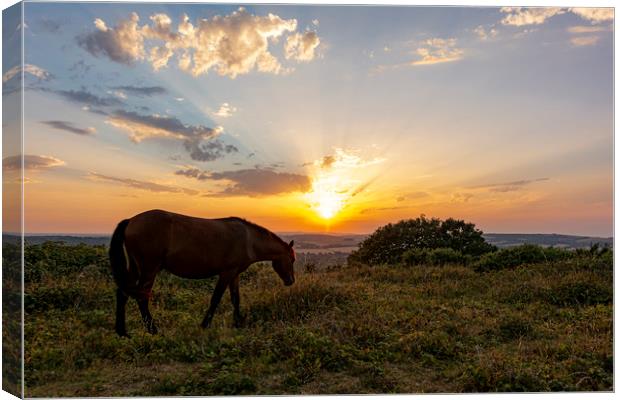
column 238, row 323
column 123, row 334
column 151, row 328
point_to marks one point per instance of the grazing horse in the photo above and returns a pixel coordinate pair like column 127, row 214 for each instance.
column 193, row 248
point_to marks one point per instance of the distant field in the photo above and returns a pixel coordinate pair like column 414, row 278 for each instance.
column 388, row 329
column 316, row 243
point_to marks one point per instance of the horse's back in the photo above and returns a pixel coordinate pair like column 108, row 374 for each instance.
column 187, row 246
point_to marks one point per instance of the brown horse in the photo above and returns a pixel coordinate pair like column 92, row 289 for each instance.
column 193, row 248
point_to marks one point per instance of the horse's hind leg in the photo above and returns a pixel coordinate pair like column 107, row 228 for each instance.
column 147, row 318
column 121, row 301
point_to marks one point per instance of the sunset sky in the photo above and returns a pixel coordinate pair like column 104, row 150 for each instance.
column 317, row 118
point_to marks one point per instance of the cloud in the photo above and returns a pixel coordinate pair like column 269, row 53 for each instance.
column 123, row 43
column 520, row 16
column 485, row 34
column 69, row 127
column 252, row 182
column 437, row 50
column 85, row 97
column 31, row 69
column 199, row 141
column 409, row 196
column 261, row 182
column 580, row 41
column 345, row 159
column 31, row 162
column 193, row 172
column 301, row 47
column 142, row 185
column 226, row 110
column 230, row 45
column 508, row 186
column 142, row 91
column 208, row 151
column 378, row 209
column 461, row 197
column 593, row 14
column 142, row 127
column 588, row 29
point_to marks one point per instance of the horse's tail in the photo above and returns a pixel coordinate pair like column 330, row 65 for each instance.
column 117, row 253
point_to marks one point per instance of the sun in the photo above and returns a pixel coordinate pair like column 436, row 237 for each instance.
column 328, row 205
column 325, row 198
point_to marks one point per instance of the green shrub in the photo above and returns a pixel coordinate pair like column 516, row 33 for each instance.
column 445, row 256
column 415, row 257
column 388, row 243
column 520, row 255
column 581, row 293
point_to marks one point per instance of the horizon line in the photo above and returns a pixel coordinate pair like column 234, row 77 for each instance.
column 96, row 234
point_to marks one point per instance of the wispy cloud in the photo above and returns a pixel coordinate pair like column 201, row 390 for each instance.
column 589, row 28
column 142, row 185
column 199, row 140
column 380, row 209
column 69, row 127
column 438, row 50
column 142, row 91
column 508, row 186
column 142, row 127
column 580, row 41
column 85, row 97
column 31, row 69
column 31, row 162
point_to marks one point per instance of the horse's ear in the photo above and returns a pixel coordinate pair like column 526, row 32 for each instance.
column 291, row 244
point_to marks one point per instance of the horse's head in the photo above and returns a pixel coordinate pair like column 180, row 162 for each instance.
column 283, row 265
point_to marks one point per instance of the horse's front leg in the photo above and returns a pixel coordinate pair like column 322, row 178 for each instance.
column 147, row 318
column 234, row 298
column 220, row 287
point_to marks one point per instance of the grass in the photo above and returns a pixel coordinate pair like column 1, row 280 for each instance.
column 382, row 329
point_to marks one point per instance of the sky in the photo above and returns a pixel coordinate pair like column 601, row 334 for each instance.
column 316, row 118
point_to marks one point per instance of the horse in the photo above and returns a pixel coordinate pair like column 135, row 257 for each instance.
column 192, row 248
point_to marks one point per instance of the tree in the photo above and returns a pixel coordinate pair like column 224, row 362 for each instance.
column 388, row 243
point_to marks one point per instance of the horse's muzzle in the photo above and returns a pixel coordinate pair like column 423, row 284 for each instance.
column 289, row 281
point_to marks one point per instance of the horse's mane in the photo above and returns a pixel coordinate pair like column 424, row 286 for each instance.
column 260, row 229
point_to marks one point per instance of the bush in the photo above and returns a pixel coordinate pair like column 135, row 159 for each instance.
column 389, row 243
column 445, row 256
column 520, row 255
column 415, row 257
column 441, row 256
